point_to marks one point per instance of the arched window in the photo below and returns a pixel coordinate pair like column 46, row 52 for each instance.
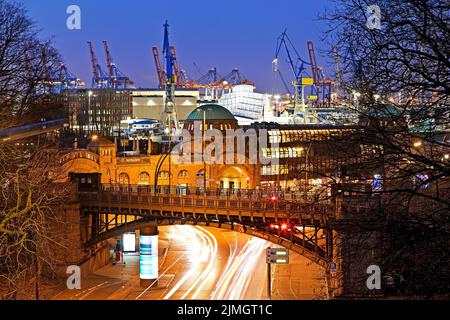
column 124, row 179
column 183, row 174
column 163, row 175
column 144, row 178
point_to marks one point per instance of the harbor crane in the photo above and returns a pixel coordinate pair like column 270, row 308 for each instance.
column 117, row 79
column 100, row 79
column 69, row 80
column 169, row 115
column 323, row 86
column 298, row 67
column 159, row 68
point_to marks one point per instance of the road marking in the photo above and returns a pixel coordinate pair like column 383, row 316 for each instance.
column 139, row 296
column 90, row 290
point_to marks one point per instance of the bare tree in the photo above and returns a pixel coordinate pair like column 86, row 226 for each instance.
column 397, row 77
column 29, row 169
column 27, row 66
column 29, row 196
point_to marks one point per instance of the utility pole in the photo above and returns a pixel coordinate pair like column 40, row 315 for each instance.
column 269, row 281
column 204, row 149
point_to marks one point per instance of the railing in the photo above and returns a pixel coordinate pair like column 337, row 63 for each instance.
column 254, row 194
column 244, row 203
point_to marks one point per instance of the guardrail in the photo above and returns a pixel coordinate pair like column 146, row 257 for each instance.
column 254, row 203
column 255, row 194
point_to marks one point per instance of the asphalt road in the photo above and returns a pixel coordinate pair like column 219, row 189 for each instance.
column 205, row 263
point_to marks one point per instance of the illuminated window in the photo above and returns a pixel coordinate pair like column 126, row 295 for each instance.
column 164, row 175
column 144, row 178
column 183, row 174
column 124, row 179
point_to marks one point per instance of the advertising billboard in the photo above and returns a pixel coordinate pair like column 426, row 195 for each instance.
column 148, row 261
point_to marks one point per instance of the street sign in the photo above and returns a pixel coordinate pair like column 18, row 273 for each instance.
column 277, row 256
column 274, row 256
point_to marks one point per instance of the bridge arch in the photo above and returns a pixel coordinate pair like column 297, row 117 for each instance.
column 80, row 161
column 121, row 226
column 234, row 177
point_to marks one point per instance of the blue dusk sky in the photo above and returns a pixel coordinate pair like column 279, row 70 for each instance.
column 225, row 34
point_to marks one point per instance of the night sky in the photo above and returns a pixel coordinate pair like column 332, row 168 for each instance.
column 225, row 34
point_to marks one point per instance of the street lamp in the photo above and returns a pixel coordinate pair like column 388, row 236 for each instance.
column 417, row 144
column 204, row 144
column 90, row 93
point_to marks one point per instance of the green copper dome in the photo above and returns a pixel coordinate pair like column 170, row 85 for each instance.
column 213, row 112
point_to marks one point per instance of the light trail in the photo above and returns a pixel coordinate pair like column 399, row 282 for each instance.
column 196, row 251
column 235, row 281
column 148, row 288
column 212, row 242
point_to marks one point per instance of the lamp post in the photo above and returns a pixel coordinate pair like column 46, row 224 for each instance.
column 90, row 93
column 203, row 149
column 204, row 144
column 306, row 168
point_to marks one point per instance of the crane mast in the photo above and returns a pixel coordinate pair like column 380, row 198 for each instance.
column 109, row 62
column 169, row 119
column 96, row 76
column 297, row 67
column 159, row 68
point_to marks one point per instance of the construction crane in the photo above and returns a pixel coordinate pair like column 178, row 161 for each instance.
column 323, row 86
column 117, row 79
column 169, row 118
column 100, row 80
column 297, row 66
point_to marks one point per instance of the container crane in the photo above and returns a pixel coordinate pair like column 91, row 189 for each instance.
column 159, row 68
column 181, row 75
column 323, row 86
column 69, row 80
column 100, row 80
column 297, row 66
column 169, row 118
column 118, row 80
column 235, row 78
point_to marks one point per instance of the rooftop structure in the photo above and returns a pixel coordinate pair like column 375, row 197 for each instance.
column 243, row 102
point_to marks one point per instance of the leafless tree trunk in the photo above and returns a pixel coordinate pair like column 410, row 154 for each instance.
column 397, row 78
column 28, row 170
